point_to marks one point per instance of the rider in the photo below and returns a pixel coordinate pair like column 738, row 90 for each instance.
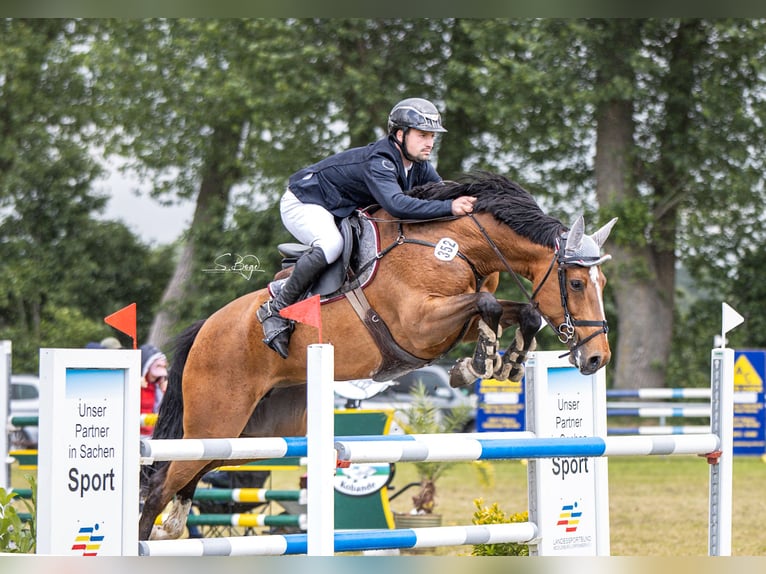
column 322, row 194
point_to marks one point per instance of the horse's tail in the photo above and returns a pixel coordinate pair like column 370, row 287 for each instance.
column 171, row 413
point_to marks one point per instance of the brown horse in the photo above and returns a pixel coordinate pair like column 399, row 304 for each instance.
column 432, row 289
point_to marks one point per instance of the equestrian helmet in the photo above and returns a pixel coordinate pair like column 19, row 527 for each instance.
column 415, row 113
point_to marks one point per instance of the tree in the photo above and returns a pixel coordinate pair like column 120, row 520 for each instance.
column 192, row 104
column 45, row 174
column 674, row 112
column 61, row 271
column 227, row 104
column 657, row 121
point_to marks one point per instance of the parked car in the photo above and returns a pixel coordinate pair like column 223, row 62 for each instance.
column 24, row 401
column 397, row 394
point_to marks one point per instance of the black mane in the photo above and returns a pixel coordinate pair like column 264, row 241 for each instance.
column 503, row 198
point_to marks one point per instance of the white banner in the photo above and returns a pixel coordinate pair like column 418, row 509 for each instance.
column 88, row 452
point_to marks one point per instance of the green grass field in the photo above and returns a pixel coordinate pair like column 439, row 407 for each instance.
column 658, row 505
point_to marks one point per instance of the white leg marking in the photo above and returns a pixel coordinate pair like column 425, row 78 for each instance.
column 173, row 525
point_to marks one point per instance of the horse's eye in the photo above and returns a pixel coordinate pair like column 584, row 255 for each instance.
column 576, row 285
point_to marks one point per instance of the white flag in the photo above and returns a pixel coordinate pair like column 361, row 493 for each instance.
column 731, row 318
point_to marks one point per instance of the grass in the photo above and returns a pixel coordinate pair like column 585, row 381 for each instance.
column 658, row 505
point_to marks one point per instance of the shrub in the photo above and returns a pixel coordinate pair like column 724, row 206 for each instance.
column 493, row 515
column 16, row 536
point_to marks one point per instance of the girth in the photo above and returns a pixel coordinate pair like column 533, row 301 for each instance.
column 397, row 361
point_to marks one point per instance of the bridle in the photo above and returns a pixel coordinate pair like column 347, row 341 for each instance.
column 566, row 330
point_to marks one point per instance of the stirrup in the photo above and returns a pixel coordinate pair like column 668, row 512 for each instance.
column 266, row 311
column 277, row 332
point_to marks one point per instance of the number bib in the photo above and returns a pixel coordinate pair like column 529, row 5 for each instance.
column 446, row 249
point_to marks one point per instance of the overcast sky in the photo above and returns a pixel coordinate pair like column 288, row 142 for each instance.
column 155, row 224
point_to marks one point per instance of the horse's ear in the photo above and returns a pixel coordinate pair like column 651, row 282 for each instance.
column 600, row 236
column 574, row 237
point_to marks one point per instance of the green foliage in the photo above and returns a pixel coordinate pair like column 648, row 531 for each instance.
column 493, row 515
column 689, row 364
column 207, row 108
column 17, row 536
column 57, row 292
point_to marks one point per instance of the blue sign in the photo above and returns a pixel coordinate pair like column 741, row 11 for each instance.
column 749, row 414
column 500, row 406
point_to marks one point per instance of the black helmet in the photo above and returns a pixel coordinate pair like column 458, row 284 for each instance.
column 415, row 113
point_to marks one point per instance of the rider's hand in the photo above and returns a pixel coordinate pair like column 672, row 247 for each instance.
column 463, row 205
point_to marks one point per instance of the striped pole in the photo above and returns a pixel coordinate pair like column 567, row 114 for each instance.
column 221, row 448
column 249, row 495
column 659, row 394
column 654, row 430
column 24, row 421
column 153, row 450
column 453, row 449
column 247, row 520
column 659, row 411
column 344, row 541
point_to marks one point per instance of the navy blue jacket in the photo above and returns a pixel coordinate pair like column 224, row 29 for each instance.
column 369, row 175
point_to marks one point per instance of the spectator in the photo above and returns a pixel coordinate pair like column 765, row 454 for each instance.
column 154, row 381
column 111, row 343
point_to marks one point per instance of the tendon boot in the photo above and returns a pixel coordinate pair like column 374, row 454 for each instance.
column 277, row 329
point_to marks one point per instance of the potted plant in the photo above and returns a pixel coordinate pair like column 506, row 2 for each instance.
column 422, row 417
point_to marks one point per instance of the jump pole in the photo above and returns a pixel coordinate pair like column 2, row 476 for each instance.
column 722, row 425
column 321, row 464
column 5, row 389
column 722, row 467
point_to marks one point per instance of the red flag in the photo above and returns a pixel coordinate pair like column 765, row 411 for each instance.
column 124, row 320
column 306, row 311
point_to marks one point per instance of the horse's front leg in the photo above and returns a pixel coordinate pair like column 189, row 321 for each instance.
column 485, row 357
column 529, row 321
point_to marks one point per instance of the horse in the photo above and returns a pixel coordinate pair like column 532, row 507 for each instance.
column 433, row 288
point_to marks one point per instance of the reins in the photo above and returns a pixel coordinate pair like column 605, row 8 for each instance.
column 566, row 330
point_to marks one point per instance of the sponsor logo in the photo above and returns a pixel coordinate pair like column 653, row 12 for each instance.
column 362, row 479
column 88, row 541
column 569, row 517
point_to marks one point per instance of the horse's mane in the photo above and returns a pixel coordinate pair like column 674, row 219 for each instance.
column 506, row 200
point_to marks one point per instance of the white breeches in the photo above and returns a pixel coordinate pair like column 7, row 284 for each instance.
column 311, row 225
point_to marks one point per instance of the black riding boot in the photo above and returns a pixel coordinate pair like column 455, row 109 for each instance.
column 277, row 329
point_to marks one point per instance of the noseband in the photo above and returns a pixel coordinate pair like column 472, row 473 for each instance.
column 566, row 330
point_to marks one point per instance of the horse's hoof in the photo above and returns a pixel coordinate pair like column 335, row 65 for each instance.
column 173, row 525
column 502, row 372
column 461, row 374
column 517, row 373
column 159, row 533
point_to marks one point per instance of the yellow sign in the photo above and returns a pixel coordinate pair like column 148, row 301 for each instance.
column 746, row 378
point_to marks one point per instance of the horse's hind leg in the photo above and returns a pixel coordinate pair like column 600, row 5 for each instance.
column 177, row 482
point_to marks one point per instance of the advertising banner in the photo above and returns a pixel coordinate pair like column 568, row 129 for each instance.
column 749, row 414
column 569, row 496
column 88, row 452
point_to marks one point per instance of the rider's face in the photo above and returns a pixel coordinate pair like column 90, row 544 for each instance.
column 420, row 144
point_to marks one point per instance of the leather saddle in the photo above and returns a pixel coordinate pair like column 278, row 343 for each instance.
column 354, row 268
